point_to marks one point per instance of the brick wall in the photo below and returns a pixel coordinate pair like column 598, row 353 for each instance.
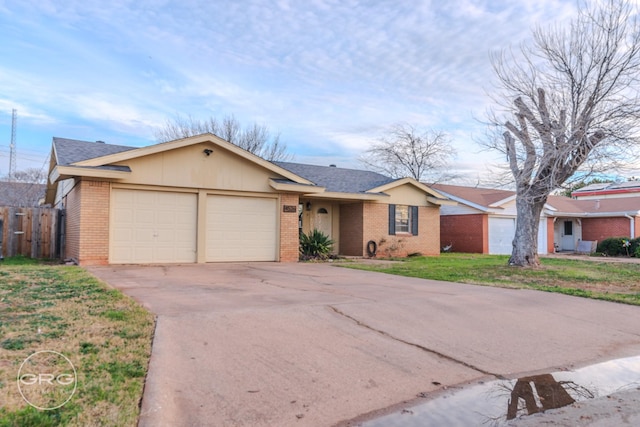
column 94, row 223
column 601, row 228
column 351, row 229
column 376, row 228
column 289, row 238
column 467, row 233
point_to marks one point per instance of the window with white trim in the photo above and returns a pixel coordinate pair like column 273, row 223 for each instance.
column 403, row 219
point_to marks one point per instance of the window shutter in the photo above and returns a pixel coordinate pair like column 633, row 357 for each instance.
column 392, row 220
column 414, row 220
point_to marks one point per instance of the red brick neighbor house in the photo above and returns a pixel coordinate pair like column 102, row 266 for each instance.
column 202, row 199
column 484, row 220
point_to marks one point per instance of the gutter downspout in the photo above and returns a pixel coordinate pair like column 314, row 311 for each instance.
column 632, row 225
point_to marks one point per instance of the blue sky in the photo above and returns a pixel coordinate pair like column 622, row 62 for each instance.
column 329, row 76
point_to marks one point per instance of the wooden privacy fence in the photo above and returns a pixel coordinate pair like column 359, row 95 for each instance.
column 32, row 232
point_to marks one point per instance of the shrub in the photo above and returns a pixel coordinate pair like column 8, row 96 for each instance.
column 613, row 246
column 316, row 244
column 634, row 249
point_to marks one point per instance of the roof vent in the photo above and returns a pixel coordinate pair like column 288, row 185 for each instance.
column 100, row 142
column 332, row 166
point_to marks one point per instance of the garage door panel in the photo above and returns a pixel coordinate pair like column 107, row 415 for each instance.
column 153, row 227
column 241, row 228
column 501, row 233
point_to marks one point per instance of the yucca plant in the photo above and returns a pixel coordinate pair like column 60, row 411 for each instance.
column 316, row 244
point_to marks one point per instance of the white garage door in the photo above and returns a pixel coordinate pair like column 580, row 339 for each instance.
column 501, row 233
column 152, row 227
column 241, row 228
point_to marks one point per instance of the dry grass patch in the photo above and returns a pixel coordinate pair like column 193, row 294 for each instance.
column 106, row 336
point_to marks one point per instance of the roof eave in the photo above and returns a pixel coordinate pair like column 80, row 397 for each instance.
column 294, row 187
column 63, row 172
column 349, row 196
column 441, row 202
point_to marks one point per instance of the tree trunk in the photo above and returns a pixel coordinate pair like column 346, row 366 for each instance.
column 525, row 241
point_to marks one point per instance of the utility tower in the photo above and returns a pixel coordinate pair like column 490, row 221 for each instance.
column 12, row 146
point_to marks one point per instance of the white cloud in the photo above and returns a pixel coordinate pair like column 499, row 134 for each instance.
column 328, row 74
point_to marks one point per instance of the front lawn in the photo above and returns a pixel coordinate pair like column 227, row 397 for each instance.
column 105, row 335
column 611, row 281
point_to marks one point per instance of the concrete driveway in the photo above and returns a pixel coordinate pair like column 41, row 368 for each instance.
column 267, row 344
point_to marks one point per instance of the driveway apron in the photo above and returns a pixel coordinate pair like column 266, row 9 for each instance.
column 303, row 344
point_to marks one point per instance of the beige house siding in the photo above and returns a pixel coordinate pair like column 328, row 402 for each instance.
column 189, row 167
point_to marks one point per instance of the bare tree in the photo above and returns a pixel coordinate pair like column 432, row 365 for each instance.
column 256, row 138
column 405, row 150
column 571, row 103
column 29, row 175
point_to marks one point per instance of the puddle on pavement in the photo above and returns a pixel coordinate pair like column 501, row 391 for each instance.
column 493, row 403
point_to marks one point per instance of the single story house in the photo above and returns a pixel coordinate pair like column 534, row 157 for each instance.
column 202, row 199
column 484, row 220
column 592, row 219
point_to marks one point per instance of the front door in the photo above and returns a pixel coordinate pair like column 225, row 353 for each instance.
column 568, row 240
column 322, row 219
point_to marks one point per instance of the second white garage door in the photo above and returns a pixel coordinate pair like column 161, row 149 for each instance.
column 503, row 230
column 241, row 228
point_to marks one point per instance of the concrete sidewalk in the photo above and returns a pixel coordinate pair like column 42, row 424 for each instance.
column 266, row 344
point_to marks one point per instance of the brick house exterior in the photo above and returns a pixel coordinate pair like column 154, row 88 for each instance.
column 202, row 199
column 482, row 214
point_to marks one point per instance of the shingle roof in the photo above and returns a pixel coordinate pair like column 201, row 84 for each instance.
column 336, row 179
column 486, row 197
column 69, row 151
column 611, row 205
column 21, row 194
column 480, row 196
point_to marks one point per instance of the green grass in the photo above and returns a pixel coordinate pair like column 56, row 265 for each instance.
column 609, row 281
column 106, row 335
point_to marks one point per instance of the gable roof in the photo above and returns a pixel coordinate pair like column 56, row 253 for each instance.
column 85, row 158
column 487, row 198
column 483, row 198
column 96, row 159
column 616, row 207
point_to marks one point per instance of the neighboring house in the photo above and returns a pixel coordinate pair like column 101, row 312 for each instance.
column 484, row 220
column 203, row 199
column 608, row 190
column 593, row 220
column 21, row 194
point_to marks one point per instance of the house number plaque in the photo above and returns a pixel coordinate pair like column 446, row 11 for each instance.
column 289, row 208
